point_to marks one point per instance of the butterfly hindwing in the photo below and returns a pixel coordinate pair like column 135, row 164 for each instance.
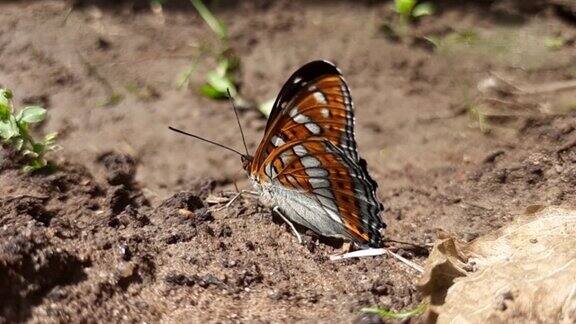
column 340, row 186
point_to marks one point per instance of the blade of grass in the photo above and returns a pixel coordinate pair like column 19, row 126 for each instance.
column 209, row 18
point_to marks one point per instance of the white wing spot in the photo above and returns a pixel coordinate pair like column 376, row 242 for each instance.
column 301, row 119
column 300, row 150
column 319, row 182
column 296, row 80
column 293, row 112
column 319, row 96
column 286, row 157
column 325, row 112
column 277, row 141
column 310, row 162
column 316, row 172
column 313, row 128
column 271, row 171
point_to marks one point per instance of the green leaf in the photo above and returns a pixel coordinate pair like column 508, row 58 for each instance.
column 28, row 168
column 266, row 107
column 50, row 138
column 9, row 128
column 35, row 164
column 5, row 130
column 32, row 114
column 38, row 148
column 5, row 106
column 4, row 112
column 7, row 93
column 404, row 7
column 220, row 85
column 18, row 143
column 209, row 91
column 423, row 9
column 222, row 68
column 434, row 40
column 216, row 26
column 396, row 315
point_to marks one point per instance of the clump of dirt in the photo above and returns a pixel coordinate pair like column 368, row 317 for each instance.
column 31, row 269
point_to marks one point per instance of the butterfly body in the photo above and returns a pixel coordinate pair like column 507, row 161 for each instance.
column 307, row 164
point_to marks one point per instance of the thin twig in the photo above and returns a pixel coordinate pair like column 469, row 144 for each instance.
column 25, row 196
column 376, row 252
column 538, row 89
column 407, row 262
column 551, row 87
column 67, row 15
column 426, row 245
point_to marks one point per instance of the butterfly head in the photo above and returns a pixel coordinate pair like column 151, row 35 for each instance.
column 246, row 162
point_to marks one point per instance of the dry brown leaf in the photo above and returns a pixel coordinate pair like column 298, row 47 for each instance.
column 524, row 272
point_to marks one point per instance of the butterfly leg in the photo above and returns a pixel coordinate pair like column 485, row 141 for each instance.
column 277, row 211
column 238, row 195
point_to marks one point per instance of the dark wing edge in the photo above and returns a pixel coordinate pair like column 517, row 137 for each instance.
column 297, row 81
column 363, row 179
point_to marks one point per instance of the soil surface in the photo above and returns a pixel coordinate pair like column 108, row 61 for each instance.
column 130, row 228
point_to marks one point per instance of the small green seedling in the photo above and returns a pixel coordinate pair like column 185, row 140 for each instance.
column 396, row 315
column 411, row 10
column 15, row 132
column 221, row 79
column 408, row 11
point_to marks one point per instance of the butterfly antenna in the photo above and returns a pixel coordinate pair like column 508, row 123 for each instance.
column 238, row 120
column 205, row 140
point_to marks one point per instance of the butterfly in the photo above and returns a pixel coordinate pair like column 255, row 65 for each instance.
column 307, row 165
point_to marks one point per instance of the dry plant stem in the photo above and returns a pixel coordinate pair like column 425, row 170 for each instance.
column 407, row 262
column 538, row 89
column 26, row 196
column 426, row 245
column 506, row 103
column 551, row 87
column 376, row 252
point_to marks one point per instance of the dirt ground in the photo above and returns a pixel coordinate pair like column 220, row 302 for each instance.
column 123, row 230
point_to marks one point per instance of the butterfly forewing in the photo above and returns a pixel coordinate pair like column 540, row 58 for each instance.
column 315, row 101
column 309, row 155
